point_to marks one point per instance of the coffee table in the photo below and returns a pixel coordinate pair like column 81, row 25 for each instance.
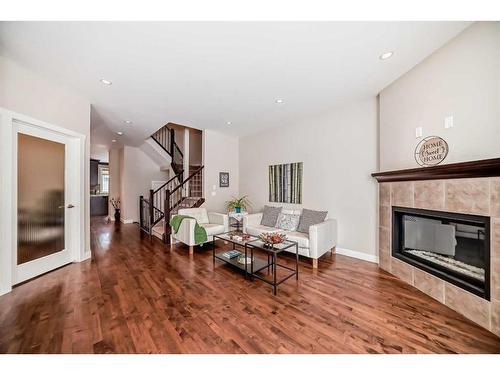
column 258, row 263
column 273, row 252
column 229, row 237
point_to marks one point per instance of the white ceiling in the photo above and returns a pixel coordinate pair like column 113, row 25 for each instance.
column 203, row 74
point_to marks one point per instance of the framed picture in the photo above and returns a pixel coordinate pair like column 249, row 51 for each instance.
column 224, row 179
column 285, row 183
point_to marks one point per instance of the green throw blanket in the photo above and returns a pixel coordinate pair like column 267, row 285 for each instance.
column 200, row 234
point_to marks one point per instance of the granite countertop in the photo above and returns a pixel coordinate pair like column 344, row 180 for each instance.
column 99, row 195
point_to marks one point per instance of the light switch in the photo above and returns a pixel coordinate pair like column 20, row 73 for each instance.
column 448, row 122
column 214, row 187
column 418, row 132
column 214, row 193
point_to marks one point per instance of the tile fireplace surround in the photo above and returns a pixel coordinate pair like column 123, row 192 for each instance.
column 473, row 195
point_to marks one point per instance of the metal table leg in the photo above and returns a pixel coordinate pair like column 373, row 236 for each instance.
column 297, row 261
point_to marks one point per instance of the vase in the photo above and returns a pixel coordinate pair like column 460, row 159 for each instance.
column 237, row 210
column 117, row 215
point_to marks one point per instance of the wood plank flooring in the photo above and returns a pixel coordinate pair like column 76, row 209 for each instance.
column 137, row 296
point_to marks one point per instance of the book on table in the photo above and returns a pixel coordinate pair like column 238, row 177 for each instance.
column 231, row 254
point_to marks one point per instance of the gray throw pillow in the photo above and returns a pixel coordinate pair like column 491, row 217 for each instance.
column 270, row 216
column 310, row 217
column 288, row 222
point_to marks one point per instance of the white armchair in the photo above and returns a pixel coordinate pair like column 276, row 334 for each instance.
column 214, row 223
column 321, row 238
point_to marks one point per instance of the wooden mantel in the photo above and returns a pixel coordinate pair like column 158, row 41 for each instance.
column 469, row 169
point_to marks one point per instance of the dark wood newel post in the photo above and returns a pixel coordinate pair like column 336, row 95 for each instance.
column 168, row 230
column 151, row 213
column 141, row 218
column 172, row 141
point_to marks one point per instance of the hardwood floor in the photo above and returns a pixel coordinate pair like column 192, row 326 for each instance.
column 137, row 296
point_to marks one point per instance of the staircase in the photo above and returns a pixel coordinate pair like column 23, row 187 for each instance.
column 179, row 192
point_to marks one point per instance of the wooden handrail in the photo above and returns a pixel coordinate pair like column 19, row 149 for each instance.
column 187, row 179
column 166, row 183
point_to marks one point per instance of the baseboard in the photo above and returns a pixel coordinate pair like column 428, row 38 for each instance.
column 5, row 290
column 357, row 255
column 126, row 221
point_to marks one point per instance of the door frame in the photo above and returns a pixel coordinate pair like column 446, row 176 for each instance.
column 8, row 192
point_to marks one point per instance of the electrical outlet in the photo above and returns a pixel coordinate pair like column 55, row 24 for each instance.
column 448, row 122
column 418, row 132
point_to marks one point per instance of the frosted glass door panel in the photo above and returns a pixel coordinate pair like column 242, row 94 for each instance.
column 40, row 198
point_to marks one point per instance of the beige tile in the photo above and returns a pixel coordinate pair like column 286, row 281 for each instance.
column 402, row 194
column 468, row 196
column 429, row 284
column 429, row 194
column 402, row 270
column 495, row 197
column 495, row 279
column 495, row 317
column 384, row 218
column 384, row 194
column 384, row 260
column 495, row 238
column 384, row 238
column 467, row 304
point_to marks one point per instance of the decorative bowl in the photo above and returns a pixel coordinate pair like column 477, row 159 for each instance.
column 272, row 238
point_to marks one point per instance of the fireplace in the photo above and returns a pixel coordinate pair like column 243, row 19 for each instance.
column 452, row 246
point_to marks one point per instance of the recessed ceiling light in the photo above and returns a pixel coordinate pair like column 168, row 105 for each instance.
column 279, row 101
column 229, row 122
column 128, row 122
column 113, row 140
column 386, row 55
column 106, row 82
column 119, row 133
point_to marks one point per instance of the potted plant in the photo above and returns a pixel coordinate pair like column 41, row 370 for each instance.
column 116, row 205
column 238, row 204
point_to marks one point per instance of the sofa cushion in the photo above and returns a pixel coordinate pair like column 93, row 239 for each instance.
column 255, row 230
column 200, row 214
column 270, row 216
column 310, row 217
column 301, row 238
column 288, row 221
column 212, row 229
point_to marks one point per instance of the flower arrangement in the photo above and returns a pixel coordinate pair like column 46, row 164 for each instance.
column 238, row 204
column 272, row 238
column 116, row 203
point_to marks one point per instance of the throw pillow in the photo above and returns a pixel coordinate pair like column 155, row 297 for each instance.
column 270, row 216
column 288, row 221
column 310, row 217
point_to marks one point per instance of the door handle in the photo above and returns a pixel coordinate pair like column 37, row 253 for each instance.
column 69, row 206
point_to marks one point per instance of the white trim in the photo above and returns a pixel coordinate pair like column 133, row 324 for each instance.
column 357, row 255
column 8, row 192
column 126, row 221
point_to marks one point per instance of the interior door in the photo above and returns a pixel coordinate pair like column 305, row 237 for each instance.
column 44, row 201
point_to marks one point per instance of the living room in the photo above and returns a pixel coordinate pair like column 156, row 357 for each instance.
column 282, row 187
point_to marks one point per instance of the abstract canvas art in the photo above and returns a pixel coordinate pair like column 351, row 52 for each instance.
column 285, row 183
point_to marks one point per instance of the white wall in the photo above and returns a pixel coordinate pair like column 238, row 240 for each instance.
column 29, row 94
column 339, row 151
column 220, row 154
column 137, row 172
column 461, row 79
column 115, row 184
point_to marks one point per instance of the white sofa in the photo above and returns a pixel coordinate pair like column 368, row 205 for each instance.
column 320, row 239
column 214, row 223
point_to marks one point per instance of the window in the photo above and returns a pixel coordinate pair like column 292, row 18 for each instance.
column 104, row 178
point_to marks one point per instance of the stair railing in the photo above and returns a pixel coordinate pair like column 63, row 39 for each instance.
column 165, row 137
column 174, row 197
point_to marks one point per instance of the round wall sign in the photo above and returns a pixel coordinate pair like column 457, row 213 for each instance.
column 431, row 151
